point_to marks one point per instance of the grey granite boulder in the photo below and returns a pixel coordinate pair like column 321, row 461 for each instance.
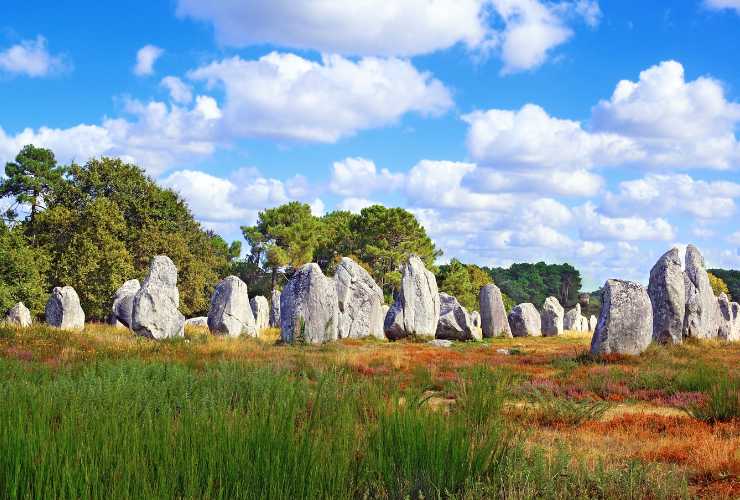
column 360, row 302
column 701, row 319
column 123, row 304
column 19, row 315
column 454, row 321
column 309, row 309
column 573, row 319
column 230, row 312
column 492, row 312
column 260, row 311
column 155, row 312
column 525, row 321
column 625, row 324
column 275, row 309
column 197, row 322
column 584, row 324
column 416, row 309
column 63, row 309
column 552, row 317
column 729, row 321
column 667, row 293
column 592, row 322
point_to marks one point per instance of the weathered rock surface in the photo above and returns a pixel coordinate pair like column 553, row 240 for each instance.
column 552, row 317
column 475, row 318
column 729, row 321
column 701, row 319
column 592, row 322
column 230, row 312
column 492, row 313
column 454, row 321
column 123, row 303
column 525, row 321
column 260, row 311
column 197, row 322
column 584, row 324
column 309, row 309
column 360, row 302
column 19, row 315
column 625, row 324
column 155, row 313
column 416, row 310
column 572, row 320
column 63, row 309
column 275, row 309
column 667, row 293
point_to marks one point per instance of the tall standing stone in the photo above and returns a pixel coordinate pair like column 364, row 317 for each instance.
column 309, row 309
column 492, row 312
column 275, row 309
column 416, row 310
column 360, row 302
column 625, row 324
column 525, row 321
column 454, row 321
column 123, row 303
column 63, row 309
column 19, row 315
column 260, row 311
column 155, row 312
column 572, row 320
column 230, row 312
column 668, row 297
column 702, row 311
column 552, row 317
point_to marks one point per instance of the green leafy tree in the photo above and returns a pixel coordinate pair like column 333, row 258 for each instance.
column 731, row 279
column 718, row 285
column 337, row 239
column 463, row 282
column 535, row 282
column 22, row 272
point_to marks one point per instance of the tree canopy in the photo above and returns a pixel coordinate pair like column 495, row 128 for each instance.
column 719, row 285
column 463, row 282
column 535, row 282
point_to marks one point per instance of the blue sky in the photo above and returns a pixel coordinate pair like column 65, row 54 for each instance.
column 595, row 132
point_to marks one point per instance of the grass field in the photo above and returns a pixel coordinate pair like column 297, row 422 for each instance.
column 104, row 414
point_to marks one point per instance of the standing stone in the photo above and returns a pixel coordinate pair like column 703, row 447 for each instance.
column 625, row 325
column 309, row 309
column 155, row 313
column 584, row 324
column 275, row 309
column 19, row 315
column 668, row 297
column 197, row 322
column 454, row 321
column 416, row 310
column 492, row 312
column 260, row 311
column 702, row 310
column 230, row 312
column 572, row 320
column 360, row 302
column 525, row 321
column 592, row 321
column 123, row 303
column 475, row 318
column 552, row 317
column 729, row 321
column 63, row 309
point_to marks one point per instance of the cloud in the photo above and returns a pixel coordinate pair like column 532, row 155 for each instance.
column 180, row 92
column 209, row 197
column 287, row 96
column 354, row 177
column 31, row 58
column 734, row 238
column 550, row 182
column 355, row 205
column 145, row 59
column 659, row 121
column 723, row 4
column 598, row 227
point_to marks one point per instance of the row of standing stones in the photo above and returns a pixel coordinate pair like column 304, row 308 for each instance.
column 313, row 308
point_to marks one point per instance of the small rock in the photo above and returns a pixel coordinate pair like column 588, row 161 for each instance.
column 440, row 343
column 19, row 316
column 197, row 322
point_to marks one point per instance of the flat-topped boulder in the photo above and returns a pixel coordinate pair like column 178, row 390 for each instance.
column 494, row 322
column 230, row 312
column 275, row 309
column 525, row 321
column 416, row 309
column 260, row 311
column 667, row 292
column 155, row 313
column 123, row 304
column 19, row 315
column 625, row 324
column 360, row 302
column 552, row 317
column 63, row 309
column 455, row 322
column 309, row 309
column 701, row 319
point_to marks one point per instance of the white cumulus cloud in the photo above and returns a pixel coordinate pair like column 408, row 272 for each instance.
column 353, row 177
column 595, row 226
column 723, row 4
column 145, row 59
column 180, row 92
column 31, row 58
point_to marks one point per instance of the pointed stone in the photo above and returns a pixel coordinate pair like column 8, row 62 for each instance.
column 360, row 302
column 155, row 313
column 668, row 297
column 701, row 320
column 230, row 312
column 416, row 310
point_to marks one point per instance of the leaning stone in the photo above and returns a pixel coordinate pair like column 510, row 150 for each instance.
column 360, row 302
column 492, row 313
column 155, row 312
column 668, row 297
column 275, row 309
column 123, row 303
column 260, row 311
column 197, row 322
column 230, row 312
column 63, row 309
column 552, row 317
column 19, row 316
column 309, row 309
column 572, row 319
column 525, row 321
column 702, row 311
column 625, row 324
column 454, row 321
column 416, row 310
